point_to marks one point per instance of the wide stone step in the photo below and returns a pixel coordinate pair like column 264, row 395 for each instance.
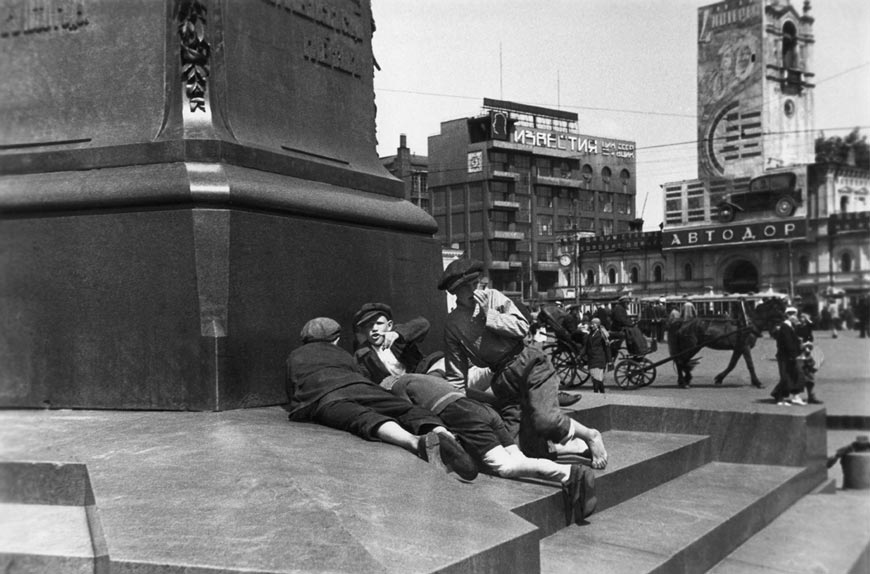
column 638, row 461
column 799, row 541
column 45, row 538
column 685, row 525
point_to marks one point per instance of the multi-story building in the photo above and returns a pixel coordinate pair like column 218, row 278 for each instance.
column 761, row 214
column 510, row 183
column 413, row 170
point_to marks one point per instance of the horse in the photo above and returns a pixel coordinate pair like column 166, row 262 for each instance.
column 687, row 337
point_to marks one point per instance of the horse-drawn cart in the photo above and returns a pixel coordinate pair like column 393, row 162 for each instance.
column 716, row 321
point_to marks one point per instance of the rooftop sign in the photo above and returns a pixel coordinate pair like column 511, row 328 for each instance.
column 745, row 233
column 573, row 143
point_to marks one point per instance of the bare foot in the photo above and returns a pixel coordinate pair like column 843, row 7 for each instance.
column 599, row 454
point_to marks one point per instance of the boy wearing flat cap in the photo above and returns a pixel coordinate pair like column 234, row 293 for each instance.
column 486, row 329
column 389, row 356
column 325, row 386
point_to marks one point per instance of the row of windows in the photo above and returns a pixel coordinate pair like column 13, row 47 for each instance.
column 564, row 168
column 546, row 197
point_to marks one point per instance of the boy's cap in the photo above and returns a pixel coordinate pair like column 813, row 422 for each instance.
column 460, row 272
column 791, row 311
column 371, row 310
column 320, row 329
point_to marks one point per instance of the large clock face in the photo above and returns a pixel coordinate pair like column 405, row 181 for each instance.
column 721, row 137
column 565, row 260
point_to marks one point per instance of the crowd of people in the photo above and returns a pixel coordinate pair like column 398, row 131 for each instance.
column 488, row 402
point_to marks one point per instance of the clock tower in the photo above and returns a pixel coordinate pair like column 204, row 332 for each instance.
column 755, row 99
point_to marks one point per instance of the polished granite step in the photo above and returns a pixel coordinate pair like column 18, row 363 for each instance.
column 685, row 525
column 639, row 461
column 800, row 540
column 45, row 538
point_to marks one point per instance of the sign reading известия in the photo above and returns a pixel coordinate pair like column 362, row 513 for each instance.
column 785, row 230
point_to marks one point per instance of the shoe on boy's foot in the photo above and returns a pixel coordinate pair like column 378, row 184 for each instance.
column 783, row 403
column 814, row 401
column 578, row 494
column 797, row 401
column 453, row 456
column 567, row 399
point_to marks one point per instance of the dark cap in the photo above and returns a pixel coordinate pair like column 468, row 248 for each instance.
column 370, row 311
column 624, row 298
column 459, row 272
column 320, row 329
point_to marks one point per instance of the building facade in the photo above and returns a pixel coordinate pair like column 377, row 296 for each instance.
column 511, row 184
column 413, row 170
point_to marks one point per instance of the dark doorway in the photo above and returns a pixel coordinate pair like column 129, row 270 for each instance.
column 741, row 277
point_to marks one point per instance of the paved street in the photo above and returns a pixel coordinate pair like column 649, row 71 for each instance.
column 843, row 383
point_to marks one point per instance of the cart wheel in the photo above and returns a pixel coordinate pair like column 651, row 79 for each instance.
column 636, row 371
column 645, row 373
column 563, row 361
column 621, row 372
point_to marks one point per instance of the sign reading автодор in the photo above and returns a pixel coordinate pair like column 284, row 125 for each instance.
column 694, row 237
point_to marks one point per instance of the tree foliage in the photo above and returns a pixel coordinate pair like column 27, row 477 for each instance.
column 836, row 149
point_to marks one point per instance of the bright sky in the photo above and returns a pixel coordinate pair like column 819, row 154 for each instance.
column 627, row 67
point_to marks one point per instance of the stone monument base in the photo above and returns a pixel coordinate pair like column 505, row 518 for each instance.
column 184, row 285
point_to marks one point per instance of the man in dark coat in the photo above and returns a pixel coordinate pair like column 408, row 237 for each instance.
column 788, row 347
column 325, row 386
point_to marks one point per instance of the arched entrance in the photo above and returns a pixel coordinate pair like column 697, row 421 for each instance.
column 741, row 276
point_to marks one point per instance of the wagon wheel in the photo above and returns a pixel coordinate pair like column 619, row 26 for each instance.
column 637, row 372
column 645, row 373
column 564, row 363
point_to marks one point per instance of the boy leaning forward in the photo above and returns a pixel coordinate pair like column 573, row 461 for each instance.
column 486, row 329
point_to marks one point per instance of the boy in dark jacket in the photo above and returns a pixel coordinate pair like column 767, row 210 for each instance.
column 390, row 356
column 325, row 386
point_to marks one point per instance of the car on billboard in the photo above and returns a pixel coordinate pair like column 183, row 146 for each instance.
column 777, row 192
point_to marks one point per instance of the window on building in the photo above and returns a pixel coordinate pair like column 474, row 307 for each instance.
column 606, row 226
column 590, row 277
column 521, row 162
column 457, row 196
column 565, row 170
column 789, row 47
column 625, row 179
column 634, row 274
column 586, row 224
column 418, row 183
column 500, row 249
column 545, row 225
column 687, row 271
column 475, row 219
column 498, row 160
column 844, row 203
column 475, row 194
column 611, row 276
column 440, row 199
column 622, row 226
column 564, row 223
column 586, row 201
column 543, row 196
column 605, row 202
column 605, row 178
column 846, row 262
column 457, row 224
column 501, row 220
column 477, row 250
column 623, row 204
column 586, row 174
column 499, row 191
column 658, row 274
column 545, row 252
column 441, row 221
column 544, row 167
column 803, row 265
